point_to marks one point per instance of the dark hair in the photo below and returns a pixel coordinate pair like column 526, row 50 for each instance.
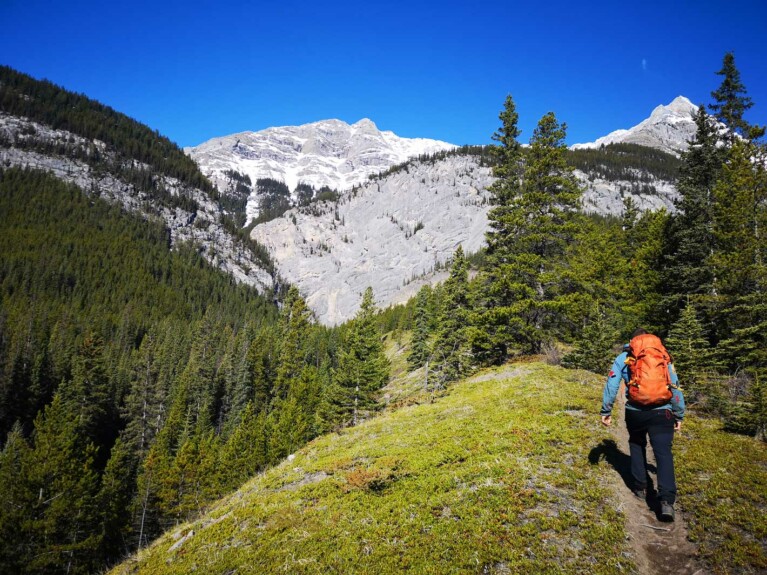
column 639, row 331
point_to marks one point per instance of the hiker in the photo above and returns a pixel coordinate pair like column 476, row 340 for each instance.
column 654, row 406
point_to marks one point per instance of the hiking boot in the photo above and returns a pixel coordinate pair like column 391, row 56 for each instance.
column 666, row 511
column 640, row 493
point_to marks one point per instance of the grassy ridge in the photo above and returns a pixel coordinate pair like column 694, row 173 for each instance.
column 723, row 478
column 493, row 478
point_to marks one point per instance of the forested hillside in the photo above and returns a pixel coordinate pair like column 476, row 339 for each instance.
column 111, row 155
column 137, row 383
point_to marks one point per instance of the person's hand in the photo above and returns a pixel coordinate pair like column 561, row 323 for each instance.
column 607, row 420
column 678, row 425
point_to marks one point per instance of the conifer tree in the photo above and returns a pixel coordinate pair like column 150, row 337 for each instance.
column 363, row 368
column 246, row 450
column 689, row 238
column 144, row 404
column 740, row 258
column 530, row 234
column 731, row 102
column 594, row 349
column 63, row 523
column 419, row 349
column 116, row 495
column 490, row 343
column 692, row 355
column 88, row 395
column 451, row 354
column 294, row 327
column 15, row 503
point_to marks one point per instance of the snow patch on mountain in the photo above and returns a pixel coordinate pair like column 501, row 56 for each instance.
column 669, row 128
column 328, row 153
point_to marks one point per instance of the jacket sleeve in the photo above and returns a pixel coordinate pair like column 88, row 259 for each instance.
column 677, row 397
column 612, row 385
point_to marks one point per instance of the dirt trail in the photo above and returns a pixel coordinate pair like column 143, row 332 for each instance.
column 659, row 547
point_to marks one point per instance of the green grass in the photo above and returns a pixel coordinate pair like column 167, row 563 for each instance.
column 723, row 481
column 493, row 477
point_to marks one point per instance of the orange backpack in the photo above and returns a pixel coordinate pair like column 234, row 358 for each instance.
column 648, row 360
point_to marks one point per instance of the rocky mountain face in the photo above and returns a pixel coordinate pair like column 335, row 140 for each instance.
column 388, row 233
column 398, row 231
column 330, row 153
column 669, row 128
column 28, row 144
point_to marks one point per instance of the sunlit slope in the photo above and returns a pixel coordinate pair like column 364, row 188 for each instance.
column 492, row 478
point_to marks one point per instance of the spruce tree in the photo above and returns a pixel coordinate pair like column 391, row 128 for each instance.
column 689, row 239
column 451, row 354
column 594, row 349
column 419, row 348
column 63, row 525
column 294, row 327
column 363, row 368
column 740, row 258
column 246, row 450
column 491, row 342
column 531, row 230
column 15, row 503
column 693, row 356
column 731, row 102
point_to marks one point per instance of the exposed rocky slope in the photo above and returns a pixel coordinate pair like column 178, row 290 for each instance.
column 385, row 234
column 393, row 231
column 328, row 153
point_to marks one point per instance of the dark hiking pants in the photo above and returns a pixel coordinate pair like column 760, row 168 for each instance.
column 659, row 425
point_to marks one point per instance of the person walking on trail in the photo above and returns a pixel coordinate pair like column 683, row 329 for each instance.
column 654, row 407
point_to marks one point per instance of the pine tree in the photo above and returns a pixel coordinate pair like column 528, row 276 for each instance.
column 531, row 229
column 689, row 240
column 731, row 102
column 594, row 349
column 692, row 355
column 419, row 349
column 451, row 354
column 490, row 343
column 362, row 366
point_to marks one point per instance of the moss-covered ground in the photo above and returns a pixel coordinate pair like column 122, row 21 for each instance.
column 723, row 482
column 492, row 477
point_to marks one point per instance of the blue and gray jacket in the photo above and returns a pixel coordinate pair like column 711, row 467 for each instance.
column 620, row 371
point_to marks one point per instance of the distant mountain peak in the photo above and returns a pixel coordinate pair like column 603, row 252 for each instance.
column 325, row 153
column 669, row 128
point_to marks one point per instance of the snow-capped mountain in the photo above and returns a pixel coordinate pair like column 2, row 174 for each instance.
column 327, row 153
column 669, row 128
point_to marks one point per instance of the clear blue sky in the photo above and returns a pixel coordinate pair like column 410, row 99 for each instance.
column 195, row 70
